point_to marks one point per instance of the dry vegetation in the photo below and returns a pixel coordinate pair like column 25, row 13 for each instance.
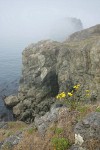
column 32, row 140
column 65, row 123
column 12, row 128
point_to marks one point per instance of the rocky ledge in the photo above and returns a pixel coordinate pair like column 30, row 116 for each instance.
column 50, row 67
column 60, row 122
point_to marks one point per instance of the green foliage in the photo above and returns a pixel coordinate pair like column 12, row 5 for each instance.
column 60, row 143
column 56, row 130
column 98, row 109
column 82, row 109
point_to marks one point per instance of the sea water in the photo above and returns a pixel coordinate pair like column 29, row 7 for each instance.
column 10, row 72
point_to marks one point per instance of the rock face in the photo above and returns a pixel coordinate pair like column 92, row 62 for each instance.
column 42, row 123
column 39, row 83
column 87, row 33
column 88, row 131
column 51, row 67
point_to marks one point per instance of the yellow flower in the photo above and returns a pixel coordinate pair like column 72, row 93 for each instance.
column 87, row 91
column 76, row 86
column 57, row 96
column 70, row 94
column 87, row 94
column 61, row 95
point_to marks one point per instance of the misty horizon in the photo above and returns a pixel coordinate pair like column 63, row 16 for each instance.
column 26, row 21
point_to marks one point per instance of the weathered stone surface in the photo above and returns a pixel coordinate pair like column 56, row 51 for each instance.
column 11, row 141
column 90, row 125
column 3, row 125
column 76, row 147
column 42, row 123
column 17, row 109
column 51, row 67
column 87, row 33
column 88, row 131
column 11, row 101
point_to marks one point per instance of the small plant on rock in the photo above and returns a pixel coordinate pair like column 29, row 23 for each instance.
column 57, row 131
column 75, row 96
column 67, row 97
column 60, row 143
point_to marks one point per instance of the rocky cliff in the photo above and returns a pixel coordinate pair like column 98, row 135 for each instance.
column 63, row 27
column 50, row 67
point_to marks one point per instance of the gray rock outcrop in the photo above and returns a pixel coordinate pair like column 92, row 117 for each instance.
column 51, row 67
column 11, row 141
column 87, row 33
column 87, row 132
column 42, row 123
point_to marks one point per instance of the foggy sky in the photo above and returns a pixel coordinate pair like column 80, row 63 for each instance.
column 30, row 20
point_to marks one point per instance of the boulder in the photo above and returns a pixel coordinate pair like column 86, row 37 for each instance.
column 17, row 109
column 87, row 132
column 11, row 101
column 42, row 123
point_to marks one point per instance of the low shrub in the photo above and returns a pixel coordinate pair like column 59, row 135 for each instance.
column 60, row 143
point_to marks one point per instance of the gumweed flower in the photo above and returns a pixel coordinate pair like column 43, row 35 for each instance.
column 76, row 86
column 87, row 94
column 61, row 95
column 70, row 94
column 57, row 96
column 87, row 91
